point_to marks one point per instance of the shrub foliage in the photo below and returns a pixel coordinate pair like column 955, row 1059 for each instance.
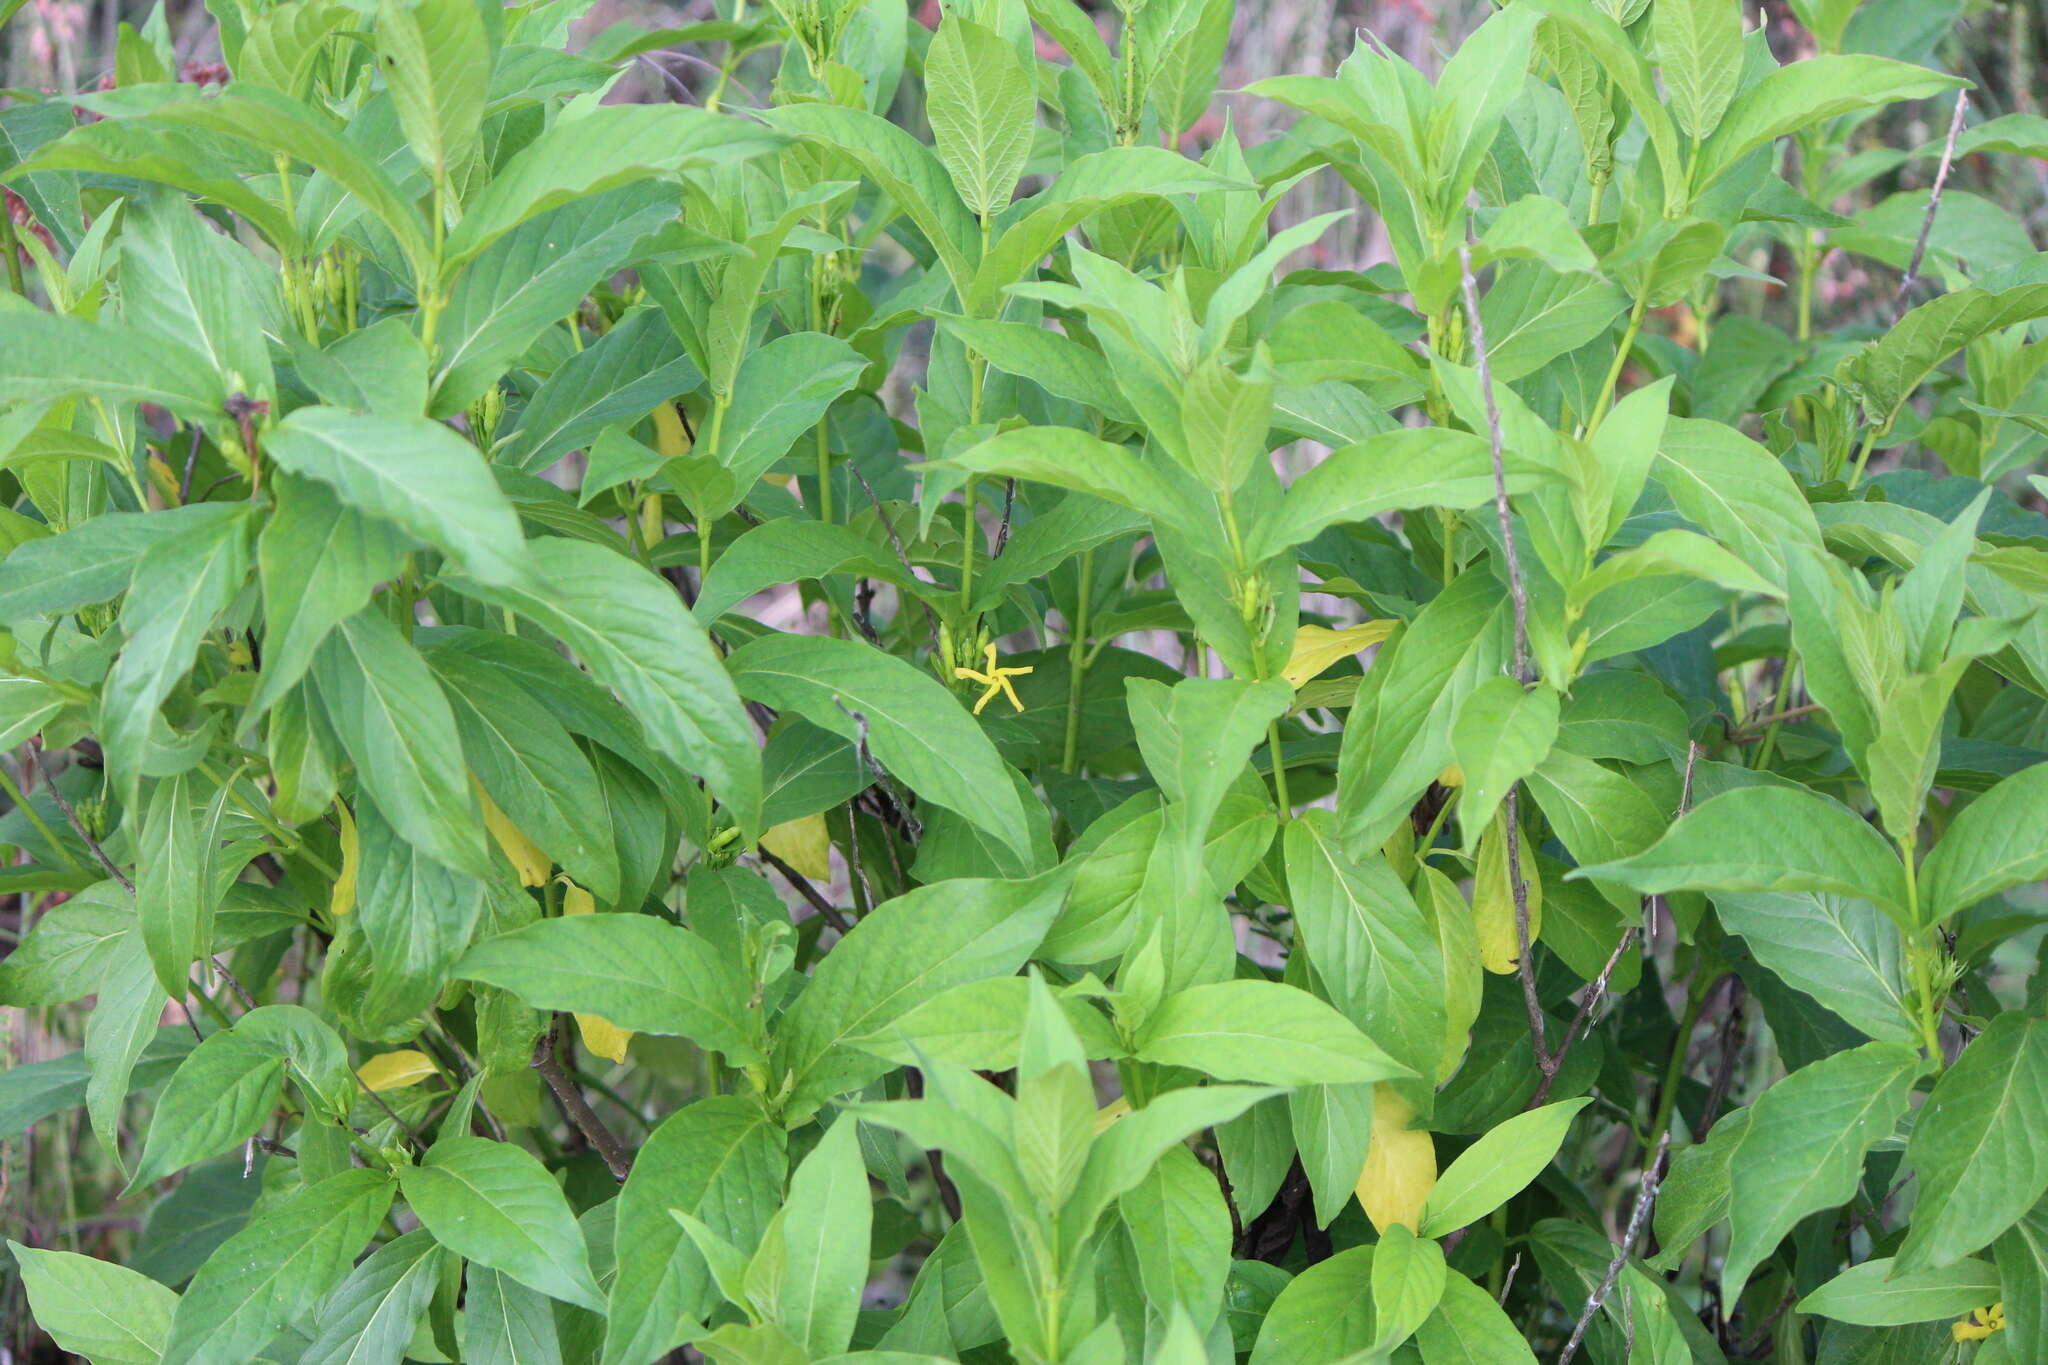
column 850, row 718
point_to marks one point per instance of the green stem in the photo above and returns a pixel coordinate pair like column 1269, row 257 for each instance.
column 12, row 247
column 968, row 531
column 1863, row 455
column 1279, row 772
column 1674, row 1070
column 824, row 440
column 1770, row 741
column 293, row 844
column 1077, row 658
column 1628, row 342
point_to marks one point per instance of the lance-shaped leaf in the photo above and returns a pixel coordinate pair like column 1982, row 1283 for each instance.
column 1767, row 839
column 1805, row 1144
column 633, row 634
column 492, row 1203
column 642, row 973
column 412, row 472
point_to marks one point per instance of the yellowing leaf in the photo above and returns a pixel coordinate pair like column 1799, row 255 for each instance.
column 1317, row 649
column 803, row 844
column 395, row 1070
column 670, row 437
column 527, row 859
column 1493, row 898
column 1400, row 1164
column 343, row 898
column 1453, row 776
column 600, row 1035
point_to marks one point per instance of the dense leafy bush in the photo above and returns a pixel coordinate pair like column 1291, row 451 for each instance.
column 672, row 723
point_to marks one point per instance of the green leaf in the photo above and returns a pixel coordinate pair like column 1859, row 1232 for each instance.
column 641, row 973
column 1262, row 1031
column 1497, row 1167
column 1736, row 491
column 1803, row 93
column 1699, row 47
column 1804, row 1148
column 625, row 372
column 505, row 1323
column 1375, row 952
column 1890, row 369
column 1408, row 1281
column 184, row 286
column 412, row 472
column 264, row 1276
column 218, row 1097
column 45, row 358
column 1974, row 1147
column 1879, row 1294
column 634, row 635
column 532, row 769
column 175, row 885
column 416, row 916
column 1469, row 1328
column 720, row 1159
column 492, row 1203
column 917, row 730
column 980, row 102
column 96, row 1309
column 530, row 279
column 594, row 150
column 436, row 65
column 122, row 1023
column 1840, row 950
column 824, row 1229
column 781, row 391
column 1323, row 1316
column 1398, row 738
column 319, row 560
column 904, row 952
column 1767, row 839
column 1596, row 814
column 370, row 1318
column 393, row 720
column 95, row 560
column 1502, row 732
column 181, row 585
column 1411, row 467
column 1998, row 842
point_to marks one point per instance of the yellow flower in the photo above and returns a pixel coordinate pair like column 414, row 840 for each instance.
column 995, row 680
column 1980, row 1324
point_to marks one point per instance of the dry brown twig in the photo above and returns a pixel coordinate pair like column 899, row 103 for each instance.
column 1948, row 156
column 1646, row 1198
column 1518, row 592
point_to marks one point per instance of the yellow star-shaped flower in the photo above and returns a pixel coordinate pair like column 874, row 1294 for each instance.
column 1980, row 1324
column 995, row 680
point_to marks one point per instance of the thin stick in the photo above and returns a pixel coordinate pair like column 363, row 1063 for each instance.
column 77, row 825
column 1948, row 154
column 1646, row 1196
column 931, row 620
column 1519, row 593
column 191, row 462
column 1571, row 1034
column 576, row 1109
column 812, row 896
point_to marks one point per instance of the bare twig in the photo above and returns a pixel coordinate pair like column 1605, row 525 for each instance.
column 1587, row 1003
column 78, row 826
column 1508, row 1281
column 1646, row 1197
column 575, row 1108
column 1518, row 592
column 390, row 1113
column 1003, row 530
column 931, row 620
column 1948, row 154
column 813, row 897
column 191, row 462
